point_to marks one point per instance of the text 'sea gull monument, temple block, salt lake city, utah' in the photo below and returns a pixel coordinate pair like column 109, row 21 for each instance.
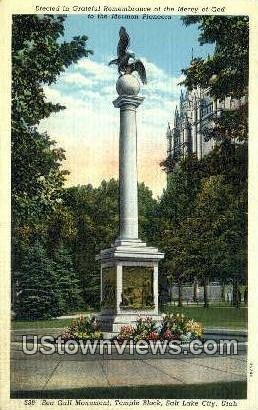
column 129, row 268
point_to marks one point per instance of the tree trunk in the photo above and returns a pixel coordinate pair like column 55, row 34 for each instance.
column 180, row 295
column 195, row 290
column 205, row 293
column 236, row 296
column 223, row 292
column 246, row 296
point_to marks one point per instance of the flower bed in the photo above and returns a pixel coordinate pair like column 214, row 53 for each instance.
column 84, row 328
column 172, row 327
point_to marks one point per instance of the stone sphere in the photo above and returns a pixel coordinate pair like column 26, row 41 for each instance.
column 127, row 84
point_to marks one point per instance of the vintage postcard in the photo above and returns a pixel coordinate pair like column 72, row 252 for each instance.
column 128, row 179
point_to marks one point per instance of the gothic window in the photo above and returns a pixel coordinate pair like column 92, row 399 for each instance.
column 207, row 109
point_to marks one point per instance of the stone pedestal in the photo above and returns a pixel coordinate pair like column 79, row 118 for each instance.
column 129, row 284
column 129, row 268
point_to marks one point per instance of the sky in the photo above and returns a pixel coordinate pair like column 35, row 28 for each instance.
column 88, row 129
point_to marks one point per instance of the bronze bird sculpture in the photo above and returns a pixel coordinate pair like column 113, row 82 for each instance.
column 123, row 57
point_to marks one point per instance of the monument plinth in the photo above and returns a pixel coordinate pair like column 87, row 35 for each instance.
column 129, row 268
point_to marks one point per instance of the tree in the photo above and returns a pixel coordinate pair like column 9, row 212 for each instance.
column 216, row 232
column 38, row 57
column 182, row 186
column 94, row 214
column 225, row 73
column 203, row 219
column 175, row 206
column 204, row 226
column 148, row 216
column 44, row 286
column 231, row 126
column 68, row 281
column 37, row 292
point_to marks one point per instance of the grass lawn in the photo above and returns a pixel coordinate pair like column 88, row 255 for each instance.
column 40, row 324
column 214, row 316
column 232, row 390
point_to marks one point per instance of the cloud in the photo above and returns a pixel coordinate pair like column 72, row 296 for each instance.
column 160, row 82
column 76, row 79
column 94, row 69
column 89, row 127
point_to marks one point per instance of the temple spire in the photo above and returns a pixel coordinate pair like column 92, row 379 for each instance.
column 168, row 130
column 176, row 117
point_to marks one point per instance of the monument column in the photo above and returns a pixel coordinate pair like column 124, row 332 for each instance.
column 129, row 268
column 128, row 190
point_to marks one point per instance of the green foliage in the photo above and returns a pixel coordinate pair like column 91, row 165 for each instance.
column 231, row 125
column 36, row 179
column 204, row 209
column 214, row 317
column 38, row 295
column 175, row 206
column 93, row 216
column 216, row 232
column 84, row 328
column 94, row 213
column 172, row 327
column 145, row 329
column 148, row 217
column 203, row 229
column 182, row 186
column 68, row 281
column 38, row 57
column 46, row 286
column 180, row 327
column 229, row 160
column 226, row 72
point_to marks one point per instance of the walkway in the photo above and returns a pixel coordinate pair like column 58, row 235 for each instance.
column 50, row 372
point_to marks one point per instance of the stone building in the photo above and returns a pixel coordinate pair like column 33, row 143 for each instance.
column 196, row 112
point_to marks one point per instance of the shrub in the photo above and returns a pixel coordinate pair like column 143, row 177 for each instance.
column 126, row 333
column 180, row 327
column 172, row 327
column 84, row 328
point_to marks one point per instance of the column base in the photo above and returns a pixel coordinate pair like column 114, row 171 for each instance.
column 129, row 242
column 131, row 250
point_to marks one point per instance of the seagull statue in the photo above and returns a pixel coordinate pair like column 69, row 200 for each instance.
column 123, row 57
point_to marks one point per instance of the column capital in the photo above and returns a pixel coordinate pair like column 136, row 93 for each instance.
column 128, row 100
